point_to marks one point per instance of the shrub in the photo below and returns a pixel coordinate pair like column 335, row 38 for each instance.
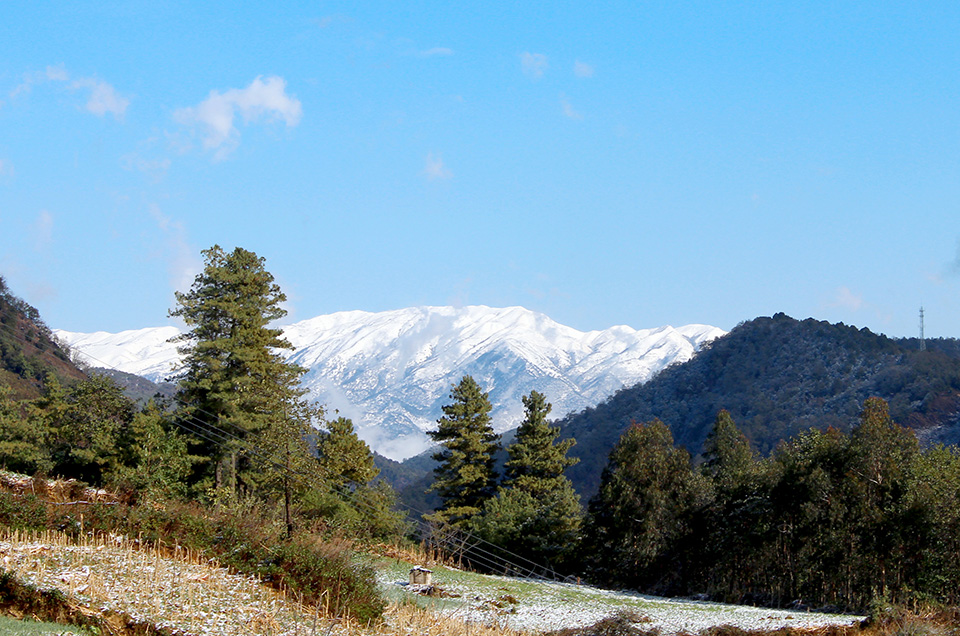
column 26, row 512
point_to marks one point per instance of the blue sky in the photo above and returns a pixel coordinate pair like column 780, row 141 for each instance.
column 630, row 163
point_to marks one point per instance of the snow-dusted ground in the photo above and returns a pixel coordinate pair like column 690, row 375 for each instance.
column 184, row 597
column 196, row 598
column 549, row 606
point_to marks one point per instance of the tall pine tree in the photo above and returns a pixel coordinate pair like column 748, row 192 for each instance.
column 465, row 477
column 234, row 378
column 536, row 512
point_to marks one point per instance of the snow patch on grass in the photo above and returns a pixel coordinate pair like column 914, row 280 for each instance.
column 523, row 604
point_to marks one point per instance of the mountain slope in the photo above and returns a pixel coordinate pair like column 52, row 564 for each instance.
column 28, row 349
column 392, row 371
column 778, row 376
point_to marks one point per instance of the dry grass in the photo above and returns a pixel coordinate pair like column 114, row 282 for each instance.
column 185, row 593
column 407, row 620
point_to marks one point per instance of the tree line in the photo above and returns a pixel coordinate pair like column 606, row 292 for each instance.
column 827, row 520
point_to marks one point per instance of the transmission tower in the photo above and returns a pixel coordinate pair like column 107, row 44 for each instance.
column 923, row 342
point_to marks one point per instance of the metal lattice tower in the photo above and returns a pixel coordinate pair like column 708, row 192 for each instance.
column 923, row 342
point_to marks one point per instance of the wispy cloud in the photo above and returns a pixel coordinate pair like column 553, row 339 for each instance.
column 436, row 51
column 435, row 168
column 582, row 69
column 26, row 84
column 57, row 73
column 329, row 20
column 183, row 262
column 103, row 98
column 846, row 299
column 953, row 267
column 43, row 230
column 156, row 169
column 568, row 109
column 533, row 64
column 262, row 99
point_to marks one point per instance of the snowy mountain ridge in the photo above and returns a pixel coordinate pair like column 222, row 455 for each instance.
column 391, row 371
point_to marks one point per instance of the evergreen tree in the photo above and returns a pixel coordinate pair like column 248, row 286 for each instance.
column 727, row 457
column 881, row 457
column 639, row 517
column 536, row 512
column 154, row 456
column 465, row 477
column 345, row 459
column 536, row 458
column 349, row 500
column 234, row 378
column 734, row 526
column 23, row 440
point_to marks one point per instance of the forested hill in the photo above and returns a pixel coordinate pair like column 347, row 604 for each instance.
column 28, row 350
column 778, row 376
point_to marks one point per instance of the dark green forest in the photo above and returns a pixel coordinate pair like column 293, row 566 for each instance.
column 778, row 377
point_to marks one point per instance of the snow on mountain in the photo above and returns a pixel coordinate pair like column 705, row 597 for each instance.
column 392, row 371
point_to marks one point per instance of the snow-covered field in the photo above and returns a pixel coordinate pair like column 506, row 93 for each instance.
column 540, row 606
column 183, row 596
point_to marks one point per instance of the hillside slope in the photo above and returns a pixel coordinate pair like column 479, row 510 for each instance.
column 778, row 376
column 28, row 349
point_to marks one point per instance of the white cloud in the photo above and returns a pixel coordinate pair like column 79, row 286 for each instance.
column 533, row 64
column 953, row 268
column 156, row 169
column 582, row 69
column 103, row 98
column 568, row 109
column 435, row 168
column 29, row 79
column 437, row 50
column 43, row 230
column 216, row 115
column 329, row 20
column 846, row 299
column 183, row 262
column 57, row 73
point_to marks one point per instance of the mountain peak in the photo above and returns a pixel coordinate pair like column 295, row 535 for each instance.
column 391, row 371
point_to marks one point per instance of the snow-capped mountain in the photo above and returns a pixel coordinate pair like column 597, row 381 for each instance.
column 392, row 371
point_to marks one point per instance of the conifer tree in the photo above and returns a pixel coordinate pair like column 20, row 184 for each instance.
column 536, row 512
column 349, row 500
column 233, row 376
column 465, row 477
column 735, row 523
column 639, row 515
column 727, row 457
column 536, row 458
column 23, row 440
column 345, row 459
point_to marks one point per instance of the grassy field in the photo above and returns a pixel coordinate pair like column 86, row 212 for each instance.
column 13, row 627
column 540, row 606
